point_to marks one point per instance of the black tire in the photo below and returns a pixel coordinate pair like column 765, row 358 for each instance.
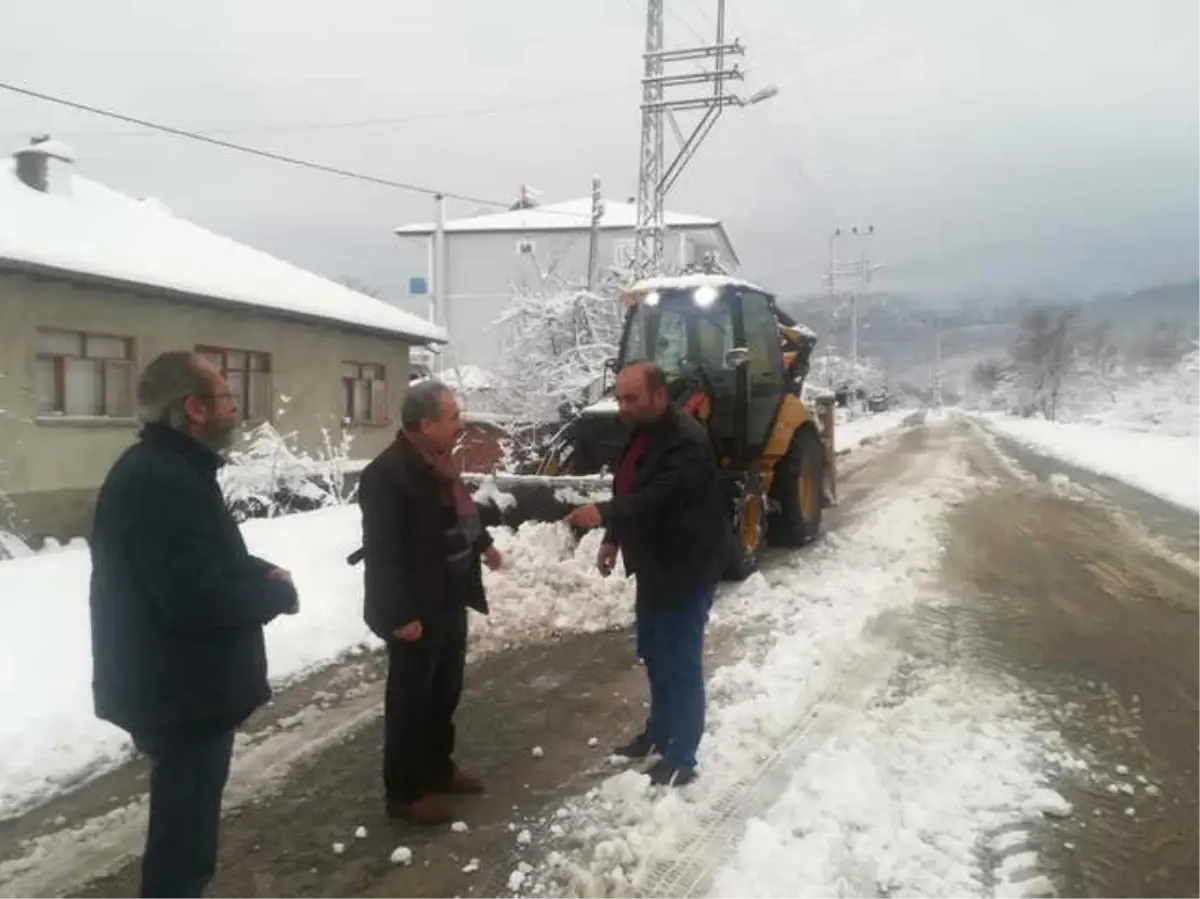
column 742, row 563
column 792, row 525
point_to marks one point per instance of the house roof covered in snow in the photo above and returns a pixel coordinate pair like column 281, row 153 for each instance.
column 573, row 215
column 82, row 229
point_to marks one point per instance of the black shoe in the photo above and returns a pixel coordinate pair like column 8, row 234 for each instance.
column 664, row 774
column 637, row 749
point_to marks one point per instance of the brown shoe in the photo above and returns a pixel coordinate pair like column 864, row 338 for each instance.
column 428, row 809
column 461, row 783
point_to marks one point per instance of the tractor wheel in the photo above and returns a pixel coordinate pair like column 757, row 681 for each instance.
column 797, row 488
column 747, row 533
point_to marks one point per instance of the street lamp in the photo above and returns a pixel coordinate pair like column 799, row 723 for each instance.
column 760, row 95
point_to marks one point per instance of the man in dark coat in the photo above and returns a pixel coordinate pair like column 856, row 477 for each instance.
column 423, row 541
column 666, row 519
column 177, row 609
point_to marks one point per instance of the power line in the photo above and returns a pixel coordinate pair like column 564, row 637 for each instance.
column 361, row 123
column 252, row 151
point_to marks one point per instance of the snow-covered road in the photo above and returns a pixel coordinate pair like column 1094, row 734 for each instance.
column 908, row 706
column 823, row 736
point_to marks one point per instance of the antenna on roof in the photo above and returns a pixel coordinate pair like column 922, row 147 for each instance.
column 526, row 198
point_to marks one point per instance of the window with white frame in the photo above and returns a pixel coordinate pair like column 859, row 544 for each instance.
column 364, row 393
column 83, row 375
column 248, row 374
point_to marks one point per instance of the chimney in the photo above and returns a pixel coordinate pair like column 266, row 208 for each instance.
column 36, row 170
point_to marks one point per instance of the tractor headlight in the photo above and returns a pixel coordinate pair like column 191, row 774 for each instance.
column 651, row 299
column 704, row 296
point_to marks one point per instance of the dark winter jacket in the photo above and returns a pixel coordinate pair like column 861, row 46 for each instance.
column 406, row 517
column 177, row 603
column 671, row 527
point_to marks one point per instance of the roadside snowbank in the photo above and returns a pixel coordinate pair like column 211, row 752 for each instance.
column 50, row 735
column 1165, row 466
column 856, row 431
column 813, row 681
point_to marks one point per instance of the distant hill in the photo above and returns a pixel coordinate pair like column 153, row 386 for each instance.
column 897, row 332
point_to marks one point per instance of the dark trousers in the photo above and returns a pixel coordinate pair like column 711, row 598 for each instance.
column 187, row 778
column 670, row 640
column 424, row 684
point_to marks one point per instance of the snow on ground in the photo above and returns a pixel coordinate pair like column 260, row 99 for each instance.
column 808, row 702
column 1160, row 464
column 863, row 816
column 851, row 432
column 50, row 735
column 1163, row 402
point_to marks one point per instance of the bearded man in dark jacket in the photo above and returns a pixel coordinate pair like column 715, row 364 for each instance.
column 667, row 520
column 424, row 540
column 177, row 610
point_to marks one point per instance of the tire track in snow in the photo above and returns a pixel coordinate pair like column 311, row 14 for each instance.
column 706, row 847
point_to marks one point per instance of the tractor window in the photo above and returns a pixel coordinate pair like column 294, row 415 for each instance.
column 762, row 337
column 678, row 336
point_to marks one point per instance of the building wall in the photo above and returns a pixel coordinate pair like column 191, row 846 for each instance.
column 485, row 268
column 52, row 468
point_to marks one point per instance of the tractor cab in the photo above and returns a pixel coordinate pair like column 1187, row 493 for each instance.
column 719, row 342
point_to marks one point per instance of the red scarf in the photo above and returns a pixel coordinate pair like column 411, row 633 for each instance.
column 627, row 467
column 443, row 466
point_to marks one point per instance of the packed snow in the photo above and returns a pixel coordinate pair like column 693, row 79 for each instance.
column 810, row 754
column 50, row 734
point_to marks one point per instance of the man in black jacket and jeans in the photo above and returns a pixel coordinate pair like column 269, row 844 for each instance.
column 423, row 542
column 178, row 607
column 667, row 520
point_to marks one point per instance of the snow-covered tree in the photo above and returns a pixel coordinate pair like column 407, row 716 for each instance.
column 1043, row 355
column 557, row 340
column 269, row 475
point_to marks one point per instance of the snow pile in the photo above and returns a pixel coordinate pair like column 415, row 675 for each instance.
column 814, row 638
column 1161, row 465
column 549, row 585
column 50, row 735
column 851, row 432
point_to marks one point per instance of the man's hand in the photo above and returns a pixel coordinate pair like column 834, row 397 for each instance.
column 606, row 558
column 587, row 517
column 492, row 558
column 285, row 577
column 410, row 633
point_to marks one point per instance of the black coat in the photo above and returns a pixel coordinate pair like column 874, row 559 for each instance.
column 177, row 603
column 405, row 517
column 671, row 527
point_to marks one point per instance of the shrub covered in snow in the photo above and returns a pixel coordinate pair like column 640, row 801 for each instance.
column 270, row 475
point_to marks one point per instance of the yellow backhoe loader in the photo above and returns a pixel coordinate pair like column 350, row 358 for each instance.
column 735, row 361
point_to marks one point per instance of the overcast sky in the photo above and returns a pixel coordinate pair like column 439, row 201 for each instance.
column 997, row 146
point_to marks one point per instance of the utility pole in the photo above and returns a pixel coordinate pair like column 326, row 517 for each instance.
column 438, row 268
column 937, row 363
column 655, row 177
column 593, row 269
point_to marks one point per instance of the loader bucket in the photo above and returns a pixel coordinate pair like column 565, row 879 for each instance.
column 522, row 498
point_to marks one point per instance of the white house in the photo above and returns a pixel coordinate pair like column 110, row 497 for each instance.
column 490, row 256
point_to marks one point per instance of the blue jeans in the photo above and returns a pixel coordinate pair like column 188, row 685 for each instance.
column 670, row 640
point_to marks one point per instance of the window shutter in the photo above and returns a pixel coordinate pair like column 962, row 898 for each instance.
column 118, row 388
column 379, row 398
